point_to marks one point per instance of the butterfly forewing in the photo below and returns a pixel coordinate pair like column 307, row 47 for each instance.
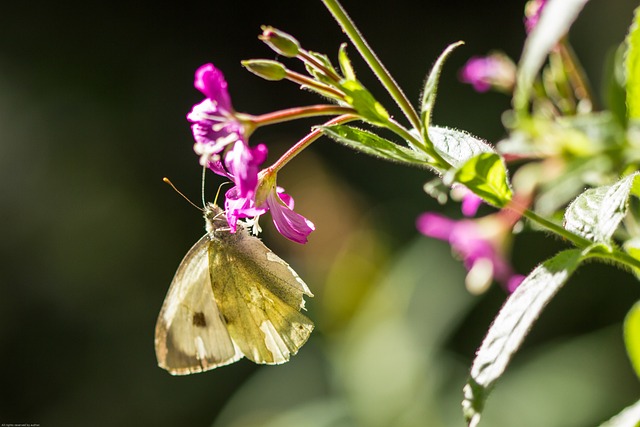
column 190, row 333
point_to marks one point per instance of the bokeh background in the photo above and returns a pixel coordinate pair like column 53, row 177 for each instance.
column 93, row 98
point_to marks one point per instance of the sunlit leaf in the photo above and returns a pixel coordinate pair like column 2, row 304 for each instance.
column 555, row 21
column 629, row 417
column 431, row 85
column 486, row 175
column 364, row 103
column 632, row 65
column 345, row 63
column 597, row 212
column 456, row 146
column 512, row 325
column 374, row 145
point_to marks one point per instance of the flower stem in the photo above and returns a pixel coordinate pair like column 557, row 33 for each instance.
column 324, row 89
column 372, row 60
column 309, row 59
column 306, row 141
column 578, row 241
column 299, row 113
column 612, row 254
column 417, row 144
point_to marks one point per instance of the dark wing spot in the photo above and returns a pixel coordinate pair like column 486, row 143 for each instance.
column 199, row 320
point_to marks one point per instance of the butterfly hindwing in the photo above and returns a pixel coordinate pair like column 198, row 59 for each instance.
column 190, row 333
column 262, row 297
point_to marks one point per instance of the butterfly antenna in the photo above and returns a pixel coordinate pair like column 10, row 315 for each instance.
column 166, row 180
column 215, row 201
column 204, row 175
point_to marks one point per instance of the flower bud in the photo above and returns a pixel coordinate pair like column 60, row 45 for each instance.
column 281, row 42
column 267, row 69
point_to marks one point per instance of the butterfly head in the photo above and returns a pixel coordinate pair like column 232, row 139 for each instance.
column 215, row 218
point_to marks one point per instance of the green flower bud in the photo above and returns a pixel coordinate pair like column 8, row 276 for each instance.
column 281, row 42
column 265, row 68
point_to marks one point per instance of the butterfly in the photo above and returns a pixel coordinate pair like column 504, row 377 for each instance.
column 231, row 297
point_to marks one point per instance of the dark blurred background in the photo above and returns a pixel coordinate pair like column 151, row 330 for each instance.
column 93, row 98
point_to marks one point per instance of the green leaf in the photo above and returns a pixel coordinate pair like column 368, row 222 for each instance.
column 511, row 326
column 597, row 212
column 632, row 336
column 555, row 21
column 345, row 63
column 364, row 103
column 374, row 145
column 632, row 65
column 456, row 146
column 629, row 417
column 431, row 85
column 486, row 175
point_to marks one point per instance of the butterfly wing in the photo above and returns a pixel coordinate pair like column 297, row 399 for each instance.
column 261, row 299
column 190, row 333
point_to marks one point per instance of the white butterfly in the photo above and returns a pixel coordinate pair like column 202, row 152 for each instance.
column 231, row 297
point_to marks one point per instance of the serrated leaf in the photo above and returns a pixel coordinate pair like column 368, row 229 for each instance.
column 456, row 146
column 364, row 103
column 632, row 66
column 597, row 212
column 629, row 417
column 555, row 21
column 486, row 175
column 431, row 85
column 345, row 63
column 511, row 326
column 632, row 336
column 374, row 145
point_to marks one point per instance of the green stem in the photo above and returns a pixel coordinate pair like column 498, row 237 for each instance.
column 314, row 84
column 582, row 243
column 299, row 113
column 579, row 241
column 620, row 258
column 417, row 144
column 372, row 60
column 306, row 141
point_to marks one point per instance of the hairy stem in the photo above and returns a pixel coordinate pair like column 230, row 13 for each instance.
column 374, row 63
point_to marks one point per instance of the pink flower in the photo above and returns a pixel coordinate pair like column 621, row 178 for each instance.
column 532, row 12
column 214, row 123
column 495, row 71
column 289, row 223
column 470, row 202
column 243, row 164
column 479, row 252
column 219, row 132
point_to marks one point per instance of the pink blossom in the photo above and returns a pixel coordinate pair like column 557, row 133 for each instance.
column 468, row 241
column 214, row 123
column 289, row 223
column 493, row 71
column 532, row 12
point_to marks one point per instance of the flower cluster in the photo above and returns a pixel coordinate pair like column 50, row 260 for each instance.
column 221, row 140
column 480, row 243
